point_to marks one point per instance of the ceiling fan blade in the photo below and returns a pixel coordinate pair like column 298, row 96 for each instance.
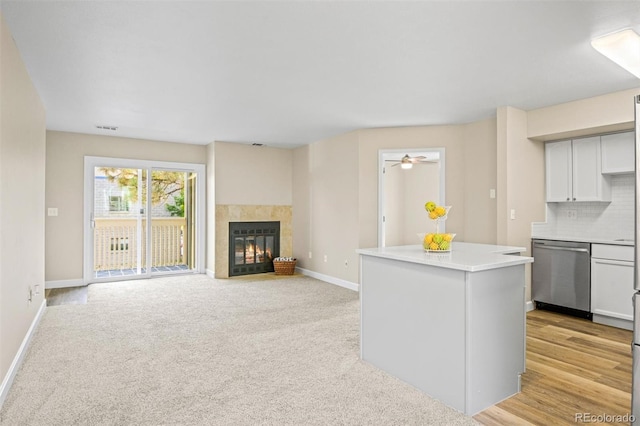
column 411, row 160
column 418, row 158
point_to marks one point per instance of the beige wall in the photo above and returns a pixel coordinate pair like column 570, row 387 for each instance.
column 480, row 165
column 255, row 175
column 301, row 205
column 210, row 263
column 22, row 180
column 521, row 177
column 65, row 188
column 600, row 114
column 333, row 221
column 325, row 206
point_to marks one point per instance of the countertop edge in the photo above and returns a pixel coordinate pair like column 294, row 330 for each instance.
column 481, row 260
column 592, row 240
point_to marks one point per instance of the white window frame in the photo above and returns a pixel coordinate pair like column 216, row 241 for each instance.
column 91, row 162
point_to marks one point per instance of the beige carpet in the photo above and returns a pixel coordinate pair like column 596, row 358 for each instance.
column 189, row 350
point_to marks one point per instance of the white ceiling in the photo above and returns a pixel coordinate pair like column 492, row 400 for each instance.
column 291, row 73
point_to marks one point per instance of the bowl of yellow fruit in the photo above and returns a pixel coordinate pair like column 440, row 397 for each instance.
column 435, row 211
column 436, row 242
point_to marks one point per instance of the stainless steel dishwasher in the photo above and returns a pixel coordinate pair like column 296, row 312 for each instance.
column 561, row 276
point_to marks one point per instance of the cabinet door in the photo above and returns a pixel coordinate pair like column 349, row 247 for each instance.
column 612, row 288
column 588, row 182
column 618, row 153
column 558, row 171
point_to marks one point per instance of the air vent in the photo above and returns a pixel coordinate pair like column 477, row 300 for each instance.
column 112, row 128
column 257, row 144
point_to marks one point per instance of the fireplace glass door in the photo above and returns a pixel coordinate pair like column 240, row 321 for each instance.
column 253, row 245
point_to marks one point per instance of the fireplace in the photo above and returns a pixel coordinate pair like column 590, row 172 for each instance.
column 252, row 247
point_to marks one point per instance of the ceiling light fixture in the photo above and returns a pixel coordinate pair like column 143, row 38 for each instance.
column 622, row 47
column 406, row 163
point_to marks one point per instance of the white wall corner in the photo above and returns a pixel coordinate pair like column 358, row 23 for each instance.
column 64, row 283
column 17, row 360
column 329, row 279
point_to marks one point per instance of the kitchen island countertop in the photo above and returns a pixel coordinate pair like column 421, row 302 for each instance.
column 463, row 256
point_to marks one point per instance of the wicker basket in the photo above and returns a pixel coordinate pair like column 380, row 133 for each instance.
column 284, row 267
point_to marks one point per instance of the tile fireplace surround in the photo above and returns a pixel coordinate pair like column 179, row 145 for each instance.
column 226, row 213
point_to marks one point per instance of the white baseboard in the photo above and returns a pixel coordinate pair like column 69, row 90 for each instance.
column 210, row 273
column 64, row 283
column 331, row 280
column 17, row 360
column 529, row 306
column 613, row 322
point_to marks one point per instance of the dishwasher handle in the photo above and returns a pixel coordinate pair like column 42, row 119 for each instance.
column 579, row 250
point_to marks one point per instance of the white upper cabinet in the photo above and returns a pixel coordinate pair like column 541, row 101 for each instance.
column 618, row 153
column 558, row 171
column 573, row 171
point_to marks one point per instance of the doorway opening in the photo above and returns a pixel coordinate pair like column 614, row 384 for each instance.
column 404, row 191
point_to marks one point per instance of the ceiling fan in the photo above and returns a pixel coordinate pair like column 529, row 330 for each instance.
column 407, row 161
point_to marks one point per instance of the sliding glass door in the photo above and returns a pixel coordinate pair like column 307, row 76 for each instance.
column 143, row 218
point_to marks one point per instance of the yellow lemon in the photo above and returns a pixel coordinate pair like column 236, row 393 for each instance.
column 433, row 215
column 440, row 211
column 429, row 206
column 428, row 238
column 434, row 246
column 447, row 237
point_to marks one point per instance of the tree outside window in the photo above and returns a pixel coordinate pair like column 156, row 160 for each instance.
column 167, row 187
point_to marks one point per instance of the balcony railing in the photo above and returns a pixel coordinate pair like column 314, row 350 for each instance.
column 116, row 243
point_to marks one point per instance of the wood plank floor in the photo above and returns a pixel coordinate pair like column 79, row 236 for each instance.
column 574, row 366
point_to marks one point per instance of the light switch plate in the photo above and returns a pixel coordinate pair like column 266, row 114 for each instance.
column 52, row 211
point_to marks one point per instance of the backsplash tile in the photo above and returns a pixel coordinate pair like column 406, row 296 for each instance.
column 599, row 220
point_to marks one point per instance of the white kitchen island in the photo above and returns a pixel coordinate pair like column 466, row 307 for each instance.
column 451, row 324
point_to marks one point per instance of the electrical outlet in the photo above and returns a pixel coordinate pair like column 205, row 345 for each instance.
column 325, row 258
column 513, row 214
column 52, row 211
column 492, row 193
column 572, row 214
